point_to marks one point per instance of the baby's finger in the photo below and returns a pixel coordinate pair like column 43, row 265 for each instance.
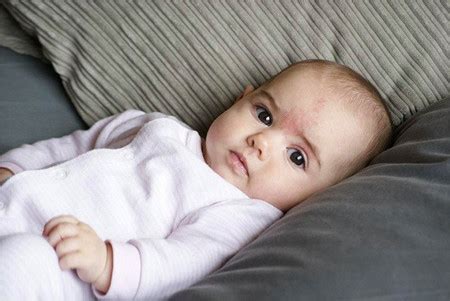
column 67, row 246
column 62, row 231
column 57, row 220
column 74, row 260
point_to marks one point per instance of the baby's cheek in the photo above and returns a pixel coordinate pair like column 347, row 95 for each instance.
column 215, row 131
column 226, row 127
column 265, row 188
column 281, row 190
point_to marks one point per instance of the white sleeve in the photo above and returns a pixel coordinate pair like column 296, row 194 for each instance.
column 201, row 243
column 49, row 152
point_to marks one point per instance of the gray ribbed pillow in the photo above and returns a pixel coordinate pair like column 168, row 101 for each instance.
column 192, row 58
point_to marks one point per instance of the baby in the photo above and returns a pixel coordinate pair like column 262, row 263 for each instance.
column 166, row 207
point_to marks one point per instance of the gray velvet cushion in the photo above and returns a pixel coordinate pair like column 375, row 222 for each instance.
column 192, row 58
column 382, row 234
column 33, row 104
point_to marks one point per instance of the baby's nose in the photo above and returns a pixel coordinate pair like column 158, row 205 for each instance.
column 260, row 143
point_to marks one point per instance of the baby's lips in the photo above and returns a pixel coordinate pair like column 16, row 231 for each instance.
column 238, row 163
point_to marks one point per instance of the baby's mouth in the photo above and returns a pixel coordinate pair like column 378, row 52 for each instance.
column 238, row 163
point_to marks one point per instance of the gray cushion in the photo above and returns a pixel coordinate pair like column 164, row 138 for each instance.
column 382, row 234
column 192, row 58
column 33, row 104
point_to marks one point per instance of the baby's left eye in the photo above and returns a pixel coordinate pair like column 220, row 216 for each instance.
column 296, row 156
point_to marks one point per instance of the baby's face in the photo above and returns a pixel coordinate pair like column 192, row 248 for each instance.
column 284, row 141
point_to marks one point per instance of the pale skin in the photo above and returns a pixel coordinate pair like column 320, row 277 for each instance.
column 5, row 174
column 79, row 247
column 275, row 139
column 264, row 147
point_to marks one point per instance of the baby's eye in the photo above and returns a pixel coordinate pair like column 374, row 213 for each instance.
column 296, row 156
column 264, row 115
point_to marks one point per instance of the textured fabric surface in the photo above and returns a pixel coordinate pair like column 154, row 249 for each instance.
column 380, row 235
column 192, row 58
column 12, row 36
column 137, row 178
column 33, row 104
column 29, row 270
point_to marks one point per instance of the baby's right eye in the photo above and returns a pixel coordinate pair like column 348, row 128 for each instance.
column 264, row 115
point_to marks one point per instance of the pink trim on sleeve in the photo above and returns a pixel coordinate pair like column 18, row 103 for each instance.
column 11, row 166
column 126, row 273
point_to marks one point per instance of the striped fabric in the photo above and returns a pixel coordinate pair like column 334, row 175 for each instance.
column 192, row 58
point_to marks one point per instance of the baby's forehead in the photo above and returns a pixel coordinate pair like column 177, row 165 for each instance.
column 303, row 107
column 332, row 131
column 296, row 119
column 308, row 99
column 319, row 76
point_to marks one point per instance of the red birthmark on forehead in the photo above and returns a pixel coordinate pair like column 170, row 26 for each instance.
column 298, row 120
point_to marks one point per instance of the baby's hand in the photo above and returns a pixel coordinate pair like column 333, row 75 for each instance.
column 78, row 247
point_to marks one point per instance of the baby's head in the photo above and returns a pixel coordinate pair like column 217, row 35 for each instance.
column 311, row 126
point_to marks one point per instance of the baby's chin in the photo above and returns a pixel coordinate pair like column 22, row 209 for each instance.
column 241, row 183
column 237, row 182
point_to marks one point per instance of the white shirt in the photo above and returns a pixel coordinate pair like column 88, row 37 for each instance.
column 140, row 181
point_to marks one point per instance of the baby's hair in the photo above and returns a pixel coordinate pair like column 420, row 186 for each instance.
column 358, row 92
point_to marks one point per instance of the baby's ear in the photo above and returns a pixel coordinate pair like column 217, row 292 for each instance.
column 248, row 89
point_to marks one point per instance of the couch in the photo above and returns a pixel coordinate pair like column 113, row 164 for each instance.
column 382, row 234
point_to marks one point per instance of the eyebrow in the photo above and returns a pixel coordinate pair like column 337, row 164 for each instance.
column 269, row 97
column 274, row 104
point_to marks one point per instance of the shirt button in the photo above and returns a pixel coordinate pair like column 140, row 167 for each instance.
column 61, row 174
